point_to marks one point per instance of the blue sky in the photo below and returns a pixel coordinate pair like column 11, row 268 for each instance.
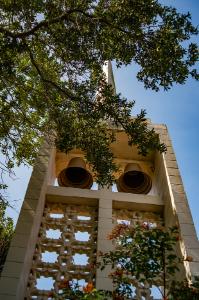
column 177, row 108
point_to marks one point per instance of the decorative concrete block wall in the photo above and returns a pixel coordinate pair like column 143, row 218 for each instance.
column 13, row 281
column 165, row 203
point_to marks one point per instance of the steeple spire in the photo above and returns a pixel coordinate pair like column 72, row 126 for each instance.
column 107, row 69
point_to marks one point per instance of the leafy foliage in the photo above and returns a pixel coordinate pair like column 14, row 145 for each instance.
column 185, row 291
column 143, row 253
column 51, row 53
column 6, row 232
column 72, row 291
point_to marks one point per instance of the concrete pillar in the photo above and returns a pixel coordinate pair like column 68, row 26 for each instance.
column 177, row 211
column 13, row 281
column 103, row 244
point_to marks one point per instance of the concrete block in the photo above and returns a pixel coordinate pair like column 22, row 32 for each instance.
column 12, row 269
column 167, row 141
column 180, row 198
column 170, row 219
column 20, row 240
column 185, row 218
column 23, row 227
column 27, row 215
column 7, row 297
column 41, row 163
column 194, row 267
column 188, row 229
column 104, row 245
column 104, row 273
column 103, row 283
column 178, row 188
column 181, row 207
column 8, row 286
column 175, row 179
column 16, row 254
column 190, row 241
column 173, row 171
column 105, row 203
column 194, row 253
column 105, row 222
column 170, row 149
column 172, row 164
column 104, row 233
column 170, row 157
column 38, row 174
column 35, row 187
column 105, row 213
column 30, row 204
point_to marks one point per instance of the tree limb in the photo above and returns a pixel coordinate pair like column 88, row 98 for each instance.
column 64, row 16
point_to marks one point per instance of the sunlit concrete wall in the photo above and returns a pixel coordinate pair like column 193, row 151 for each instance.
column 167, row 197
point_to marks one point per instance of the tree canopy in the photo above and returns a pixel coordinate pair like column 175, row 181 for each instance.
column 6, row 233
column 51, row 57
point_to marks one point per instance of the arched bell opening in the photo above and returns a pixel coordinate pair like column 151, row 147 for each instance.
column 134, row 180
column 75, row 175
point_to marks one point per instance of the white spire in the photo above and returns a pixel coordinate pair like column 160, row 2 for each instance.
column 107, row 69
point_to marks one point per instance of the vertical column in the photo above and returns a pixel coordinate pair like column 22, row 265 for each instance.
column 177, row 206
column 19, row 259
column 190, row 244
column 103, row 244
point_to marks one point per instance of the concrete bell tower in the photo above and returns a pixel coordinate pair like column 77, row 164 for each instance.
column 62, row 227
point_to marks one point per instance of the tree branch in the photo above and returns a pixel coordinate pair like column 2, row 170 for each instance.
column 64, row 16
column 64, row 91
column 44, row 23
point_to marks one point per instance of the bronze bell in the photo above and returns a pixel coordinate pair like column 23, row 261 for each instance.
column 75, row 175
column 134, row 180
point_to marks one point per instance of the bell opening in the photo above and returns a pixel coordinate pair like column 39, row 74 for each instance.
column 133, row 179
column 77, row 175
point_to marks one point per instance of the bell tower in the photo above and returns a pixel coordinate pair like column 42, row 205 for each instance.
column 65, row 217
